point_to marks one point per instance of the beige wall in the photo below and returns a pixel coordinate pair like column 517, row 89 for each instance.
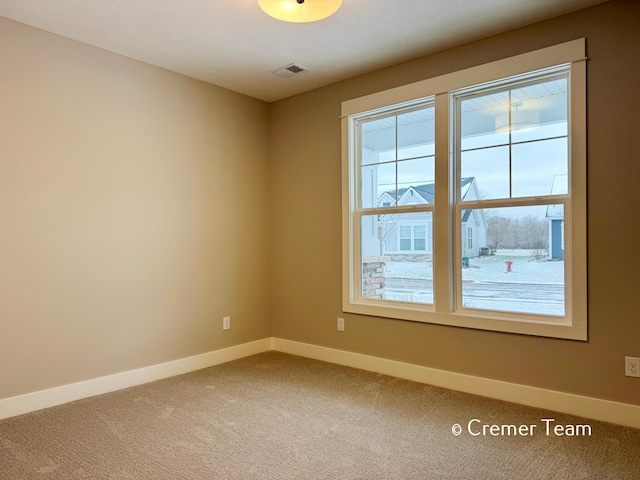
column 306, row 193
column 133, row 208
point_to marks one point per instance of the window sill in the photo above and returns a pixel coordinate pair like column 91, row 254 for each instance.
column 554, row 327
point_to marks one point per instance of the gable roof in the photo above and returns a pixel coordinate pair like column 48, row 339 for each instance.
column 426, row 191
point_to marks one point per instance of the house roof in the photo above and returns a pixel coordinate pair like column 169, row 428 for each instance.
column 427, row 191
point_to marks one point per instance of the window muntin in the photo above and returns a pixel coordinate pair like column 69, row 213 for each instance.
column 461, row 194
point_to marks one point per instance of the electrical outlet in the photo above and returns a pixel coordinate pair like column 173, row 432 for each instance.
column 341, row 324
column 226, row 323
column 632, row 366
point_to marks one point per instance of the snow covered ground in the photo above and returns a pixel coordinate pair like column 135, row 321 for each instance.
column 524, row 269
column 532, row 286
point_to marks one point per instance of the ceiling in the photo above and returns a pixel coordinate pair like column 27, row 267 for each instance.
column 233, row 44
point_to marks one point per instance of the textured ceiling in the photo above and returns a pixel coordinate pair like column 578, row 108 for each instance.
column 233, row 44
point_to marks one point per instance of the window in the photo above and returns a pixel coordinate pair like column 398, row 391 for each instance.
column 405, row 238
column 419, row 233
column 465, row 197
column 413, row 238
column 395, row 192
column 512, row 137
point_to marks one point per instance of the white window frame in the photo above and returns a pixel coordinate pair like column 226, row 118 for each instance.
column 573, row 325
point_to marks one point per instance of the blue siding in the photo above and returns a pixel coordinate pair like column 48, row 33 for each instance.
column 557, row 252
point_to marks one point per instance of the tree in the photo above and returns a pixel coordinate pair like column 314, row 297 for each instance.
column 499, row 229
column 527, row 232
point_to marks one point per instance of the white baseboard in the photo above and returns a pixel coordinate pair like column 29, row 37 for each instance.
column 588, row 407
column 12, row 406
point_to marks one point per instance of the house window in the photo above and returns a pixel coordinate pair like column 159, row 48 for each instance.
column 405, row 238
column 413, row 238
column 439, row 173
column 419, row 238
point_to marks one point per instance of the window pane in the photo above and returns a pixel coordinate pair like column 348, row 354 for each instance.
column 536, row 164
column 391, row 268
column 514, row 142
column 517, row 264
column 544, row 105
column 418, row 173
column 477, row 120
column 377, row 138
column 532, row 112
column 378, row 185
column 489, row 170
column 416, row 131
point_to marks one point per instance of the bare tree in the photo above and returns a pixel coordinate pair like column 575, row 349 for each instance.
column 527, row 232
column 534, row 232
column 499, row 229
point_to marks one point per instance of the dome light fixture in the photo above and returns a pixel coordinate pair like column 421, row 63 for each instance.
column 517, row 120
column 300, row 11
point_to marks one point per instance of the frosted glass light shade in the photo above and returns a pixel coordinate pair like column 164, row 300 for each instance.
column 300, row 11
column 520, row 120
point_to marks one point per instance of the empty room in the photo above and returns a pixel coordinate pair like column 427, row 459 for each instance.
column 319, row 239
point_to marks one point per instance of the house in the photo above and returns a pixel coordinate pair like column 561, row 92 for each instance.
column 413, row 235
column 139, row 207
column 555, row 216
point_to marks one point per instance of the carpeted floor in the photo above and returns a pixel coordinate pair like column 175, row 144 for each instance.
column 277, row 416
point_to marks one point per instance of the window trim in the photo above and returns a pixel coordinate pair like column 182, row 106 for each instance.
column 444, row 242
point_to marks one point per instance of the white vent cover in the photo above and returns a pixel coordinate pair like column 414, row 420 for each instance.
column 289, row 70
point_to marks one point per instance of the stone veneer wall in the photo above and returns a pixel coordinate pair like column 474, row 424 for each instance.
column 373, row 278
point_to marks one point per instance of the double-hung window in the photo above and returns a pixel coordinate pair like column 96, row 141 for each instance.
column 464, row 197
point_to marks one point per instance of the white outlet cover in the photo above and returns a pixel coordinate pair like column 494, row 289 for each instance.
column 632, row 366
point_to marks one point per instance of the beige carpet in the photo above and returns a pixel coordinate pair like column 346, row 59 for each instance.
column 277, row 416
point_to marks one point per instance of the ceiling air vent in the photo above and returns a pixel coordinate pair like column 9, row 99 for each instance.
column 289, row 70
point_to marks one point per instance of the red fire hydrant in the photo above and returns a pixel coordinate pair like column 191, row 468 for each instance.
column 509, row 263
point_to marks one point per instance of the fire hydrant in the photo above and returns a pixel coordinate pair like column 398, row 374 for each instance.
column 509, row 263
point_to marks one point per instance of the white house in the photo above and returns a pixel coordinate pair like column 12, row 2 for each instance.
column 412, row 233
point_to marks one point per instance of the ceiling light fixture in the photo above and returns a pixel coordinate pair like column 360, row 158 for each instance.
column 517, row 120
column 300, row 11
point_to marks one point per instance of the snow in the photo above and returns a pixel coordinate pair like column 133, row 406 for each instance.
column 533, row 286
column 524, row 269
